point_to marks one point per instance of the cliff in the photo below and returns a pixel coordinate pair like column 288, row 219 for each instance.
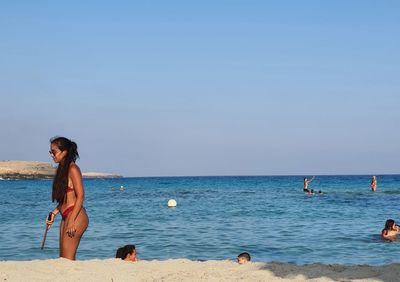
column 25, row 170
column 38, row 170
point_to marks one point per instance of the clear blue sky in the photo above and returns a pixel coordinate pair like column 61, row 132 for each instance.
column 154, row 88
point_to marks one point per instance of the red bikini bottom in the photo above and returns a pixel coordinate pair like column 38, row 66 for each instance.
column 65, row 213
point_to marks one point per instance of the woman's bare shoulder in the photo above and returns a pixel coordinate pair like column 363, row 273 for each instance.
column 74, row 168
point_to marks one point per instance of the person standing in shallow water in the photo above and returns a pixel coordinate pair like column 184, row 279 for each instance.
column 306, row 182
column 391, row 230
column 373, row 183
column 69, row 193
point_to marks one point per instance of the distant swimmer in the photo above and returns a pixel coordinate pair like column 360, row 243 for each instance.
column 391, row 230
column 120, row 188
column 373, row 183
column 306, row 182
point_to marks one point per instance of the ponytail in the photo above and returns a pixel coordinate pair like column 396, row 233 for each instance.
column 60, row 181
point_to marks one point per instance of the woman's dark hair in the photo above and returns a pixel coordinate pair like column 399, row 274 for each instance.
column 389, row 224
column 124, row 251
column 60, row 181
column 120, row 253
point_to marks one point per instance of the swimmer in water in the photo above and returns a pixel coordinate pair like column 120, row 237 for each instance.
column 373, row 183
column 391, row 230
column 306, row 182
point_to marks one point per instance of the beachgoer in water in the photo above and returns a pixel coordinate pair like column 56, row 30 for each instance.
column 127, row 253
column 391, row 230
column 243, row 258
column 306, row 182
column 373, row 183
column 69, row 193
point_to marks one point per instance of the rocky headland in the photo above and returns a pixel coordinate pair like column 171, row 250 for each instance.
column 38, row 170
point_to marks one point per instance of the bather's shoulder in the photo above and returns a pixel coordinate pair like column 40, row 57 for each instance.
column 74, row 169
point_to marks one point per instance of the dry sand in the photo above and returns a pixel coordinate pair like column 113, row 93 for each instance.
column 186, row 270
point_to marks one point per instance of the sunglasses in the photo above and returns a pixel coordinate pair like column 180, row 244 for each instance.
column 53, row 153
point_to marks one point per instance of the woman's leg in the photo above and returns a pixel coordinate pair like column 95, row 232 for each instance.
column 70, row 244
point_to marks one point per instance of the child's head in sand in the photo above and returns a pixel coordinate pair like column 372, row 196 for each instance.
column 243, row 258
column 127, row 253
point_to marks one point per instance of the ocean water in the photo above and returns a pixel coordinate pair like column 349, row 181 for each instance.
column 216, row 218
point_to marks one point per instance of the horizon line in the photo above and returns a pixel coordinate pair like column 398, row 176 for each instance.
column 260, row 175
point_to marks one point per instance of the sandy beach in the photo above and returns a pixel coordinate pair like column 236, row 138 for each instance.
column 187, row 270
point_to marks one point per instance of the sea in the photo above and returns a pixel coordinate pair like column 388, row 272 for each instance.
column 216, row 218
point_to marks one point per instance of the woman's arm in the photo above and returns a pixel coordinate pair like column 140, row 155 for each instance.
column 53, row 213
column 56, row 210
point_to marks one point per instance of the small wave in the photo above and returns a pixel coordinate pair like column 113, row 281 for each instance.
column 392, row 192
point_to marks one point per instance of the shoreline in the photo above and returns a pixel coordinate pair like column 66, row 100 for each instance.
column 188, row 270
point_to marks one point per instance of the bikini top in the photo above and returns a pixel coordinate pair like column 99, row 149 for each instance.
column 69, row 189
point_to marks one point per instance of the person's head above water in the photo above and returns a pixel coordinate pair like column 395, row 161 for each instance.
column 127, row 252
column 389, row 225
column 243, row 258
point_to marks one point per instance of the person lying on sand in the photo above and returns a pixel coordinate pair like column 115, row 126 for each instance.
column 391, row 230
column 127, row 253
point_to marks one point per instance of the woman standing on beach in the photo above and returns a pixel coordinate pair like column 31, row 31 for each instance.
column 69, row 194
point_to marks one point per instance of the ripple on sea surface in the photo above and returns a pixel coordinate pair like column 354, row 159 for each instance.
column 216, row 218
